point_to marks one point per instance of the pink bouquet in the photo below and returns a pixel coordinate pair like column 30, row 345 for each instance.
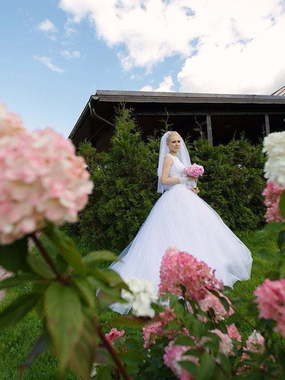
column 194, row 170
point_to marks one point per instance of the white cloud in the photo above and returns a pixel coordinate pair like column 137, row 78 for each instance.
column 47, row 26
column 147, row 88
column 239, row 52
column 226, row 45
column 165, row 86
column 48, row 63
column 150, row 30
column 69, row 28
column 70, row 54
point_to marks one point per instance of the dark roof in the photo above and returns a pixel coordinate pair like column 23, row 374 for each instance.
column 280, row 92
column 101, row 107
column 183, row 97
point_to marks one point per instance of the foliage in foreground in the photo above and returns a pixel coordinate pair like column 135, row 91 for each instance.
column 224, row 335
column 16, row 341
column 189, row 325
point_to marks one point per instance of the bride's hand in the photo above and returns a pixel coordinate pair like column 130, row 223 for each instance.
column 195, row 190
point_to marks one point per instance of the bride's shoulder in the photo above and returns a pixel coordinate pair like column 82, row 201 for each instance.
column 168, row 158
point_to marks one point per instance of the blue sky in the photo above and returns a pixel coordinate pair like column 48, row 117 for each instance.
column 56, row 53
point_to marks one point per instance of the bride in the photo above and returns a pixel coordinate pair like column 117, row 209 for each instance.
column 181, row 219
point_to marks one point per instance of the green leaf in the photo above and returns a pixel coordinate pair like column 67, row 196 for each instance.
column 130, row 356
column 189, row 366
column 225, row 363
column 95, row 256
column 19, row 279
column 281, row 239
column 13, row 256
column 214, row 343
column 18, row 309
column 184, row 341
column 39, row 266
column 206, row 367
column 172, row 325
column 99, row 284
column 82, row 356
column 104, row 373
column 264, row 253
column 66, row 248
column 193, row 352
column 272, row 275
column 128, row 321
column 109, row 277
column 198, row 328
column 178, row 308
column 282, row 204
column 105, row 294
column 282, row 251
column 281, row 271
column 86, row 291
column 106, row 297
column 64, row 320
column 132, row 360
column 273, row 227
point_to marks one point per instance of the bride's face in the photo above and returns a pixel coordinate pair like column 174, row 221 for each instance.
column 174, row 142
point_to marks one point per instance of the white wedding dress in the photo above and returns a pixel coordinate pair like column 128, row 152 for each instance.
column 181, row 219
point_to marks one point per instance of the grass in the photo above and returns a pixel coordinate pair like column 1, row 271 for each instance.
column 265, row 258
column 16, row 342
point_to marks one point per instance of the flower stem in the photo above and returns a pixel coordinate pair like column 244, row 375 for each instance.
column 113, row 353
column 46, row 257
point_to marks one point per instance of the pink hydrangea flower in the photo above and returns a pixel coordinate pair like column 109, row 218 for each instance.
column 150, row 333
column 243, row 368
column 226, row 344
column 41, row 179
column 172, row 355
column 113, row 335
column 194, row 170
column 272, row 193
column 10, row 123
column 3, row 275
column 255, row 343
column 182, row 269
column 270, row 298
column 213, row 302
column 233, row 332
column 154, row 329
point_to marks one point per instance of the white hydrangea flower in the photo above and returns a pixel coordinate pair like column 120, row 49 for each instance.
column 274, row 146
column 142, row 294
column 94, row 370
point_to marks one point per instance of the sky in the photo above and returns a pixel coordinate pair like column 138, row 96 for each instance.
column 56, row 53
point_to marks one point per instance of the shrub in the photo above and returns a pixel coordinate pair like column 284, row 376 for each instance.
column 233, row 181
column 125, row 181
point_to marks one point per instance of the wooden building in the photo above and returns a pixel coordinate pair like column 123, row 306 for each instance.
column 219, row 118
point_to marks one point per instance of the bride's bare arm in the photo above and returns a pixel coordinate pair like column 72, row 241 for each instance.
column 165, row 178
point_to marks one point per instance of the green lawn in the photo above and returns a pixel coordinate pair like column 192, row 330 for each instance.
column 16, row 342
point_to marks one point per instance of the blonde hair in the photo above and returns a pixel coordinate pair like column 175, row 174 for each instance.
column 171, row 134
